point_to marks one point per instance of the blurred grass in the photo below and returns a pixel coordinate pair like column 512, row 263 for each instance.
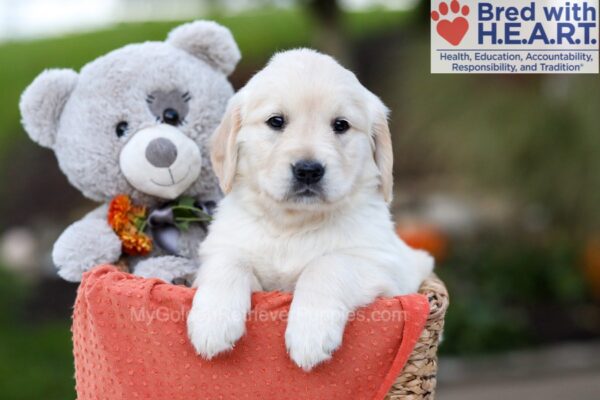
column 500, row 286
column 258, row 34
column 36, row 359
column 36, row 362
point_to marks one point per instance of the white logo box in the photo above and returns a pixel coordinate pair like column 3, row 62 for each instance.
column 512, row 36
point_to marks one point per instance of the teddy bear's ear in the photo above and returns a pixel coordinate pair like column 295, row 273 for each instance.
column 208, row 41
column 43, row 101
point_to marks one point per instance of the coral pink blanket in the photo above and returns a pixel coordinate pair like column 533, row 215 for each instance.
column 129, row 338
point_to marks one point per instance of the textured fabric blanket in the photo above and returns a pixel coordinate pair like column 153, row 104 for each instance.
column 129, row 339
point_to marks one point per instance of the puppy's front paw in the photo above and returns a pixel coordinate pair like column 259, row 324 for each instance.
column 214, row 330
column 311, row 340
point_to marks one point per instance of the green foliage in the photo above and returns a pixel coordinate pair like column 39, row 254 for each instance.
column 476, row 326
column 495, row 283
column 12, row 294
column 36, row 360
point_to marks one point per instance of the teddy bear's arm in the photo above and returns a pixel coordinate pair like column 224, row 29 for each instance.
column 167, row 268
column 85, row 244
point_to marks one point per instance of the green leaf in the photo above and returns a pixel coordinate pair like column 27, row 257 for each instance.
column 183, row 225
column 187, row 201
column 140, row 223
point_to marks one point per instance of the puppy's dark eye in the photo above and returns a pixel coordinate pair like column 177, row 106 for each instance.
column 121, row 128
column 340, row 125
column 277, row 122
column 171, row 116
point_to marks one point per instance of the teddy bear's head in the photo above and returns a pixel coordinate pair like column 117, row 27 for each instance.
column 137, row 120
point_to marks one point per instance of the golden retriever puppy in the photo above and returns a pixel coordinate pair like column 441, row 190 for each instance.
column 304, row 156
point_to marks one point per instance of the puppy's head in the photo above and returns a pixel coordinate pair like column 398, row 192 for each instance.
column 303, row 133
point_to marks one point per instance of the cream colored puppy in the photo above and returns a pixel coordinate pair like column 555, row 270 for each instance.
column 304, row 156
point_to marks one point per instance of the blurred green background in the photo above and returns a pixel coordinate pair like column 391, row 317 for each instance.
column 497, row 175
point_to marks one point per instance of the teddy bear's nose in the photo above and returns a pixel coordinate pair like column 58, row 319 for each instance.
column 161, row 153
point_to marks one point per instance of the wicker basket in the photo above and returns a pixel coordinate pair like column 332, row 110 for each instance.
column 418, row 379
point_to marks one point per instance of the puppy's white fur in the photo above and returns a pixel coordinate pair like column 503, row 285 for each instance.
column 336, row 251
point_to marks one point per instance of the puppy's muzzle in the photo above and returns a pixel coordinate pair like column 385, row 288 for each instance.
column 308, row 172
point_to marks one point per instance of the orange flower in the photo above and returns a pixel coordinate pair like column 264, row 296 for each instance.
column 117, row 212
column 124, row 218
column 138, row 212
column 136, row 244
column 121, row 203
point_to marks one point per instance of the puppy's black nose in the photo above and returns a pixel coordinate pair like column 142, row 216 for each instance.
column 308, row 171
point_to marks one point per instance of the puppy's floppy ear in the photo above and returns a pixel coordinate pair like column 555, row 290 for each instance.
column 43, row 101
column 208, row 41
column 223, row 150
column 383, row 152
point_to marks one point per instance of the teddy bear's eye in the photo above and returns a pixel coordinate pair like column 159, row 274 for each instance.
column 121, row 128
column 171, row 117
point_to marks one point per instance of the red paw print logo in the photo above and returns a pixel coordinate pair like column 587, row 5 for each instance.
column 453, row 30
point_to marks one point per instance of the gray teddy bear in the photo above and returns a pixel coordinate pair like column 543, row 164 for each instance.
column 136, row 122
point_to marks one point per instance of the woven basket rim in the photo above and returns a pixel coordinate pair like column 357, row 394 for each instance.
column 419, row 376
